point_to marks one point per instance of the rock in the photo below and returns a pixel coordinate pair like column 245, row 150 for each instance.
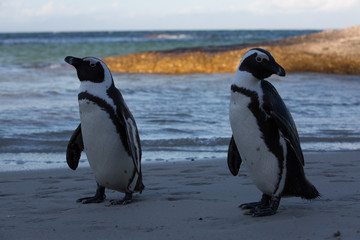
column 332, row 51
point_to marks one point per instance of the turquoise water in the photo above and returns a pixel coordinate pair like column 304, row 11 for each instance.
column 180, row 117
column 44, row 49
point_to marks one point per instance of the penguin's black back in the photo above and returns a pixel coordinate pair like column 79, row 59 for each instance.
column 296, row 183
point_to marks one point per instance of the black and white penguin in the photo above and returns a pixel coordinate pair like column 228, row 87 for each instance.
column 265, row 135
column 107, row 133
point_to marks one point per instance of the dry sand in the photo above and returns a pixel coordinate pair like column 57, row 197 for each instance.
column 332, row 51
column 182, row 200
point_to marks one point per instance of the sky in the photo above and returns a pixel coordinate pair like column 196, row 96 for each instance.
column 124, row 15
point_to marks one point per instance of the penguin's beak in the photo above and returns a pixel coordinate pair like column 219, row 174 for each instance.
column 279, row 70
column 73, row 60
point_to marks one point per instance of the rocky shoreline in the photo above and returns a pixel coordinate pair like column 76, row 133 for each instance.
column 331, row 51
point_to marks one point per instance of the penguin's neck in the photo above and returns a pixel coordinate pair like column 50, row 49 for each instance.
column 96, row 89
column 246, row 80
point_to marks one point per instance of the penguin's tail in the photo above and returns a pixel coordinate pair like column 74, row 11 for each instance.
column 296, row 183
column 309, row 191
column 301, row 188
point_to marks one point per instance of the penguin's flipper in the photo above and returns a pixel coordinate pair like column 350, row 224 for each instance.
column 127, row 127
column 233, row 158
column 290, row 135
column 133, row 141
column 277, row 110
column 134, row 148
column 74, row 148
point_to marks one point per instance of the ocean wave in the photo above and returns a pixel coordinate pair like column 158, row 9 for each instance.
column 53, row 141
column 169, row 36
column 50, row 66
column 48, row 39
column 40, row 66
column 57, row 141
column 332, row 139
column 21, row 145
column 87, row 37
column 184, row 143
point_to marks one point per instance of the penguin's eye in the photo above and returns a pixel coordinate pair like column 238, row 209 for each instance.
column 259, row 59
column 92, row 64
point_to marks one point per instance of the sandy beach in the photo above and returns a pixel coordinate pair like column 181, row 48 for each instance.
column 182, row 200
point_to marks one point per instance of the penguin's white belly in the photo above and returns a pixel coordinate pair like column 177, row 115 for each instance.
column 112, row 166
column 262, row 165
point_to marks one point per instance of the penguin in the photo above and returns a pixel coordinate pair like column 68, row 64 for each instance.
column 264, row 136
column 107, row 133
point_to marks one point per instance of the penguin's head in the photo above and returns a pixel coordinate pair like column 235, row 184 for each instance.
column 260, row 63
column 90, row 69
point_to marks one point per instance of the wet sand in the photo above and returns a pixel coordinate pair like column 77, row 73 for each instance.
column 182, row 200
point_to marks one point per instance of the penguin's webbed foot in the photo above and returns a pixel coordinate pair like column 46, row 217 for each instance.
column 98, row 198
column 94, row 199
column 266, row 207
column 253, row 205
column 126, row 200
column 264, row 203
column 261, row 212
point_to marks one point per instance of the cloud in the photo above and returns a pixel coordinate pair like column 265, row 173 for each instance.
column 47, row 9
column 299, row 6
column 192, row 10
column 24, row 15
column 22, row 10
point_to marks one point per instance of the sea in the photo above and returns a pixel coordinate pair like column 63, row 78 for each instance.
column 180, row 117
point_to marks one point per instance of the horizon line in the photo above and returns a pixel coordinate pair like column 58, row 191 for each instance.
column 171, row 30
